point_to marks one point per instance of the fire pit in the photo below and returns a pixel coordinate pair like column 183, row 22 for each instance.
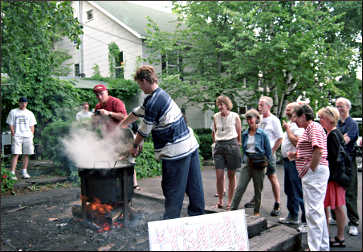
column 107, row 191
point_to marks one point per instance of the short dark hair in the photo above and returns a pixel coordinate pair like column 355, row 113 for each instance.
column 306, row 110
column 146, row 73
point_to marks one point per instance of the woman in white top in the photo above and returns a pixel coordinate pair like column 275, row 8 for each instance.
column 226, row 135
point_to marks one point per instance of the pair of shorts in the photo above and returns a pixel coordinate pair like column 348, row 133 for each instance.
column 271, row 168
column 335, row 195
column 22, row 145
column 227, row 154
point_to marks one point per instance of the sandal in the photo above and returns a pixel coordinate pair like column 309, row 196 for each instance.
column 337, row 243
column 137, row 187
column 220, row 206
column 228, row 207
column 216, row 195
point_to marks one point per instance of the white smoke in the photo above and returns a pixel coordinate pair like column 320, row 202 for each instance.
column 88, row 149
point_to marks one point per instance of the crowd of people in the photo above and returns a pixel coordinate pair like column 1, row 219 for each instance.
column 312, row 172
column 315, row 179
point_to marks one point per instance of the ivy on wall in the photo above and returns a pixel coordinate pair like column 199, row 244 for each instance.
column 113, row 52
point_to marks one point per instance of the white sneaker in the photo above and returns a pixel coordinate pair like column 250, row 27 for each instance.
column 13, row 176
column 25, row 174
column 353, row 230
column 303, row 228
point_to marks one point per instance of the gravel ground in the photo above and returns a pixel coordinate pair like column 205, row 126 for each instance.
column 51, row 227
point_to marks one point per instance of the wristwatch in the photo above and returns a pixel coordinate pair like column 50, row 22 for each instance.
column 110, row 114
column 135, row 146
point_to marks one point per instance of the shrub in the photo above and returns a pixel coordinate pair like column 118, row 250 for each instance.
column 205, row 142
column 146, row 164
column 53, row 148
column 201, row 158
column 7, row 184
column 121, row 88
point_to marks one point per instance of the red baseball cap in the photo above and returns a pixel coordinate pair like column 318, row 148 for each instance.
column 99, row 88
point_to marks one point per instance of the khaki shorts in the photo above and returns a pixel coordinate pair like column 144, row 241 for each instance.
column 22, row 145
column 227, row 154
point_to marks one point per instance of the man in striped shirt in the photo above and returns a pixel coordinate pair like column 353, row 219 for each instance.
column 174, row 144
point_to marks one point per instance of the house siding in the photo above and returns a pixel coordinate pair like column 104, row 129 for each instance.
column 99, row 32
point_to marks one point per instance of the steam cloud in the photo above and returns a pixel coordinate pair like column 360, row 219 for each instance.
column 88, row 150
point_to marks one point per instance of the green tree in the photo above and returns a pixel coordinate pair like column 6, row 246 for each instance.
column 246, row 49
column 29, row 30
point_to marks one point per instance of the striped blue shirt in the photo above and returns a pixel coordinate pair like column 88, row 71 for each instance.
column 172, row 138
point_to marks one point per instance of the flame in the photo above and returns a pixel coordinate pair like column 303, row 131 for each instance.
column 106, row 227
column 97, row 208
column 96, row 205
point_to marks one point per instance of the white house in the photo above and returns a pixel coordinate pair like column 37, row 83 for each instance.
column 125, row 24
column 105, row 22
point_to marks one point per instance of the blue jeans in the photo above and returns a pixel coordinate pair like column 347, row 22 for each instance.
column 179, row 177
column 293, row 190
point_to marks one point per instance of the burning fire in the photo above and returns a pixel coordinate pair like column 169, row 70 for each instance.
column 96, row 205
column 99, row 210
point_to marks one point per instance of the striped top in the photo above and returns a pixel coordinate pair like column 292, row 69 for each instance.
column 172, row 138
column 314, row 135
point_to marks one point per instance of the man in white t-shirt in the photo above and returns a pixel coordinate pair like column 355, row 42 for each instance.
column 292, row 182
column 271, row 125
column 84, row 113
column 21, row 122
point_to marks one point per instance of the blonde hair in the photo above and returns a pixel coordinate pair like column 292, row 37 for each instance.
column 268, row 100
column 330, row 113
column 225, row 99
column 253, row 113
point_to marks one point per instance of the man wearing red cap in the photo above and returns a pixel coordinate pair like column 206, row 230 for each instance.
column 109, row 106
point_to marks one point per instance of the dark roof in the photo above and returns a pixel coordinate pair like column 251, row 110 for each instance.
column 134, row 16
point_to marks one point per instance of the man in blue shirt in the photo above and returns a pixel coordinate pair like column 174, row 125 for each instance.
column 349, row 129
column 174, row 144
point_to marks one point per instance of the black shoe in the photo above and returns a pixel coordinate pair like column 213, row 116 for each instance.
column 276, row 210
column 250, row 204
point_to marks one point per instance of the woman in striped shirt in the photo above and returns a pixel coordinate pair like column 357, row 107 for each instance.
column 312, row 165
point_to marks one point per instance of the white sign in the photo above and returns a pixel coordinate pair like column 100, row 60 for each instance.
column 219, row 231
